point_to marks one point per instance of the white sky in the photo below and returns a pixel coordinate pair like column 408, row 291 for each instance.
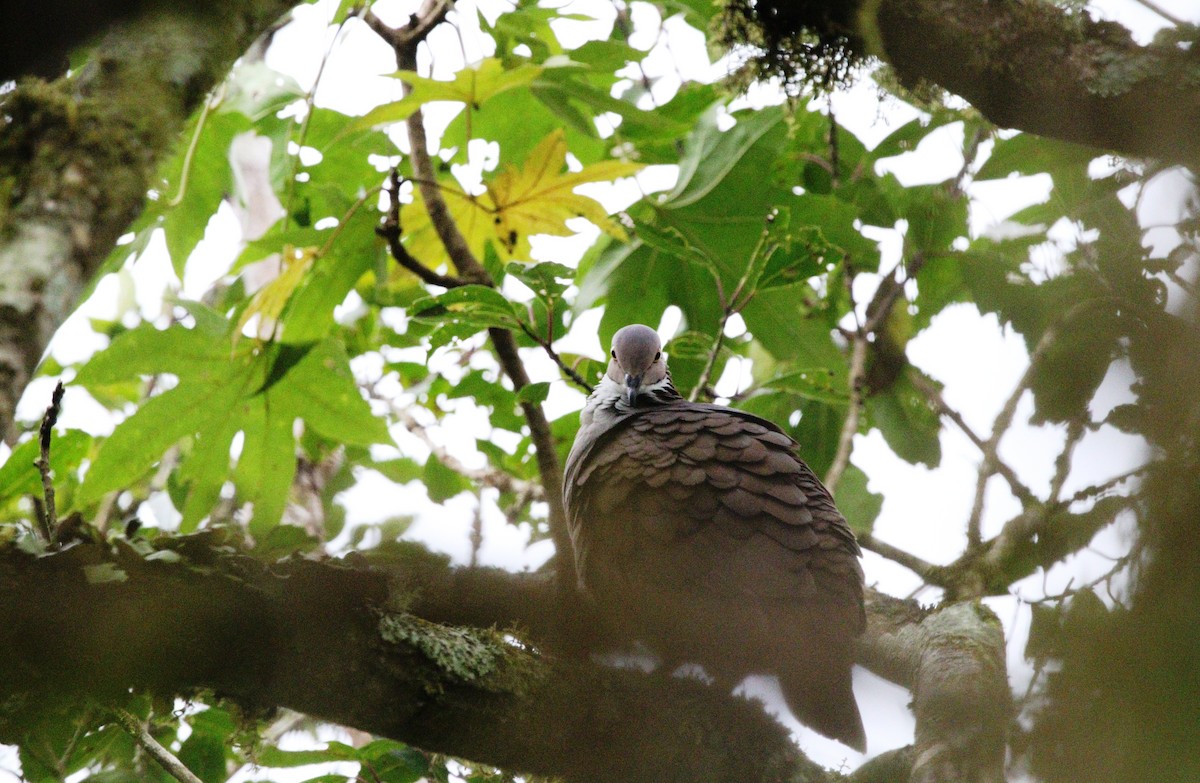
column 924, row 510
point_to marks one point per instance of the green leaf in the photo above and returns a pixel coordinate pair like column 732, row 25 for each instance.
column 936, row 217
column 476, row 306
column 441, row 482
column 192, row 354
column 534, row 392
column 400, row 470
column 907, row 421
column 858, row 504
column 394, row 762
column 139, row 441
column 473, row 85
column 320, row 388
column 271, row 756
column 19, row 477
column 909, row 135
column 267, row 463
column 711, row 154
column 204, row 754
column 102, row 573
column 671, row 241
column 544, row 278
column 208, row 180
column 1028, row 154
column 814, row 383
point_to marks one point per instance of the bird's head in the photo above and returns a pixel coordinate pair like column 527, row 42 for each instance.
column 637, row 362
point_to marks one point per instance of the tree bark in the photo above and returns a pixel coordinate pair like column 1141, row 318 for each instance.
column 1038, row 68
column 398, row 649
column 77, row 157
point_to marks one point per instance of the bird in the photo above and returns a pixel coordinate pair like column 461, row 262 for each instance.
column 698, row 532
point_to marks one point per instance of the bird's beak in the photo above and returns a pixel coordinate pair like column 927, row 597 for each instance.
column 632, row 384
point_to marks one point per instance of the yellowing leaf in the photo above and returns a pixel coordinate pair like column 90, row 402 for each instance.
column 537, row 198
column 268, row 302
column 540, row 197
column 474, row 216
column 472, row 85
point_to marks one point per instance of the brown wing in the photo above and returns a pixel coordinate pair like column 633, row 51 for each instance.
column 698, row 530
column 689, row 474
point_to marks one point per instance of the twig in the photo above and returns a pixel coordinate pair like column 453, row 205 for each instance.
column 567, row 370
column 48, row 518
column 702, row 381
column 1164, row 13
column 930, row 573
column 477, row 532
column 496, row 479
column 1062, row 465
column 1100, row 489
column 971, row 152
column 834, row 153
column 858, row 366
column 889, row 290
column 923, row 385
column 735, row 304
column 391, row 232
column 174, row 767
column 992, row 464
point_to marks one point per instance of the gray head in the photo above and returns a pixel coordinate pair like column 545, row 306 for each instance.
column 637, row 361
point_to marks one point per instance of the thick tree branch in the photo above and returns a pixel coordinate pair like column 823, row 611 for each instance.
column 78, row 156
column 953, row 661
column 94, row 622
column 98, row 619
column 1039, row 68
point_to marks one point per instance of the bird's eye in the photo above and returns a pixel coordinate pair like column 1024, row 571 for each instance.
column 614, row 353
column 657, row 355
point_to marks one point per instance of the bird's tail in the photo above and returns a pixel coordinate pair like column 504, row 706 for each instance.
column 824, row 701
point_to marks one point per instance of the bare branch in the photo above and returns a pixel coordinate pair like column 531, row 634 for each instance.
column 931, row 391
column 174, row 767
column 390, row 230
column 566, row 369
column 932, row 574
column 857, row 378
column 48, row 518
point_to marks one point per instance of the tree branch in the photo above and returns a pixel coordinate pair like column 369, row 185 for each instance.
column 857, row 376
column 405, row 41
column 96, row 620
column 169, row 761
column 48, row 516
column 953, row 660
column 566, row 370
column 390, row 232
column 1043, row 70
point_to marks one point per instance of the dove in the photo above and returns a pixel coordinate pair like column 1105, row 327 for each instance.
column 699, row 532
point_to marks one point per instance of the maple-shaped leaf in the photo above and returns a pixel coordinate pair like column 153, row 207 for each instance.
column 539, row 197
column 472, row 85
column 536, row 198
column 257, row 390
